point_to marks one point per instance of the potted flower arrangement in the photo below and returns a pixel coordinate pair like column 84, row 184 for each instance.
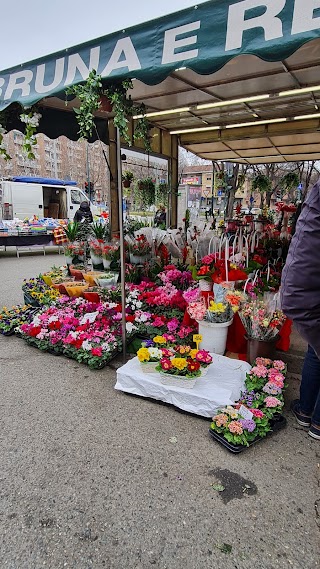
column 258, row 410
column 110, row 253
column 139, row 250
column 74, row 253
column 149, row 356
column 204, row 273
column 127, row 179
column 96, row 254
column 262, row 324
column 181, row 367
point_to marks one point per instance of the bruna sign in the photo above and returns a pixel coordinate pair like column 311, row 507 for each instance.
column 203, row 39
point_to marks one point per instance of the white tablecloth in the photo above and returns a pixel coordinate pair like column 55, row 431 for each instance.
column 221, row 386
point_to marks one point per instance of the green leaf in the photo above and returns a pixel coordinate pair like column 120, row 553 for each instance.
column 224, row 547
column 218, row 487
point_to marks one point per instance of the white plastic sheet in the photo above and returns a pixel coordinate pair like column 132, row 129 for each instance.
column 221, row 386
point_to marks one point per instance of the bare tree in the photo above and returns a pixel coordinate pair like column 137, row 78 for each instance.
column 235, row 182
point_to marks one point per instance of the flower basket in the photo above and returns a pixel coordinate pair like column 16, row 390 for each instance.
column 205, row 286
column 177, row 380
column 148, row 367
column 261, row 348
column 214, row 336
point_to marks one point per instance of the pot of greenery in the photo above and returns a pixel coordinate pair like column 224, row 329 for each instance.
column 127, row 179
column 147, row 190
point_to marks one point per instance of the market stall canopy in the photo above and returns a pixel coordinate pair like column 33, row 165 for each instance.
column 236, row 81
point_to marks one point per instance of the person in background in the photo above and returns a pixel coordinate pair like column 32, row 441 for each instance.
column 161, row 217
column 300, row 298
column 83, row 213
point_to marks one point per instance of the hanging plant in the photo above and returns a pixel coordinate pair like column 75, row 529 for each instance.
column 241, row 181
column 289, row 181
column 31, row 121
column 89, row 94
column 220, row 180
column 161, row 195
column 261, row 183
column 127, row 179
column 3, row 150
column 146, row 192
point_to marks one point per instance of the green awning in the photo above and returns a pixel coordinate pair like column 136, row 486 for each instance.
column 203, row 39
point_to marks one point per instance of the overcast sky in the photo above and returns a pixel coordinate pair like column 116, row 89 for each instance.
column 40, row 27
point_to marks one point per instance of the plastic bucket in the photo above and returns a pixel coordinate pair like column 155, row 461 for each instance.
column 214, row 336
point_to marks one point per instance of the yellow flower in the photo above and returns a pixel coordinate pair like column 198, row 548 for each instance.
column 193, row 353
column 159, row 340
column 217, row 307
column 179, row 363
column 143, row 355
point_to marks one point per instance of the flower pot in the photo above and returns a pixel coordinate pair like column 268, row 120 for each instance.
column 106, row 263
column 126, row 184
column 105, row 104
column 205, row 286
column 69, row 259
column 137, row 260
column 214, row 336
column 178, row 380
column 148, row 367
column 261, row 348
column 96, row 259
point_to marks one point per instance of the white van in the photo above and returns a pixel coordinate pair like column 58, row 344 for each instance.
column 23, row 197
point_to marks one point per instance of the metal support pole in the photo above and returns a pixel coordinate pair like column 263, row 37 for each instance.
column 122, row 250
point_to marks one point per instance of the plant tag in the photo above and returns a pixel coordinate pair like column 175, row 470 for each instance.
column 90, row 318
column 197, row 338
column 245, row 412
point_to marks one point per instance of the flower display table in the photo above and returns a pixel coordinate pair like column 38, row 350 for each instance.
column 220, row 386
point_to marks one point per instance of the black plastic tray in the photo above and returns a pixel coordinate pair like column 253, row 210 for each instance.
column 276, row 424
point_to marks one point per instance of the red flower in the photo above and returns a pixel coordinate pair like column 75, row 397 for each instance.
column 193, row 366
column 204, row 270
column 130, row 318
column 35, row 331
column 166, row 363
column 96, row 352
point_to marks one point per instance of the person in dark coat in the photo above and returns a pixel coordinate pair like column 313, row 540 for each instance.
column 300, row 298
column 83, row 213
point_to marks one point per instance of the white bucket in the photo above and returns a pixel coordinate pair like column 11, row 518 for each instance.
column 106, row 263
column 214, row 336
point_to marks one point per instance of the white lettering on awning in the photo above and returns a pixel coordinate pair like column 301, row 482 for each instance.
column 269, row 21
column 76, row 63
column 19, row 81
column 303, row 20
column 171, row 43
column 40, row 87
column 131, row 61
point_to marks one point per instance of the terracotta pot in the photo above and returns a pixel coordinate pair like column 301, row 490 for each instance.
column 105, row 104
column 261, row 349
column 126, row 184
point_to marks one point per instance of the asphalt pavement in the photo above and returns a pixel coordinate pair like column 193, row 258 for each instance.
column 94, row 478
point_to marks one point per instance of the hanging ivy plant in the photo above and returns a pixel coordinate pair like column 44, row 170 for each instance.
column 31, row 121
column 89, row 94
column 161, row 194
column 146, row 192
column 261, row 183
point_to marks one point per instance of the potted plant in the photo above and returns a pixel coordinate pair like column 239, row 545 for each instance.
column 147, row 190
column 183, row 370
column 96, row 254
column 149, row 357
column 127, row 179
column 110, row 253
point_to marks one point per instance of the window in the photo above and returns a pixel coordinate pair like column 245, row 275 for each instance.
column 76, row 196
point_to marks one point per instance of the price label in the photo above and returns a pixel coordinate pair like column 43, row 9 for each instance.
column 90, row 318
column 245, row 412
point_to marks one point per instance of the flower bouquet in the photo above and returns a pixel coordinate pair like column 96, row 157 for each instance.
column 110, row 253
column 139, row 250
column 205, row 272
column 96, row 253
column 262, row 323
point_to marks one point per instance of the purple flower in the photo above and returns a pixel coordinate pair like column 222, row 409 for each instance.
column 248, row 424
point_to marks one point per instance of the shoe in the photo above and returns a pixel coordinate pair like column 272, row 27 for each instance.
column 314, row 432
column 300, row 418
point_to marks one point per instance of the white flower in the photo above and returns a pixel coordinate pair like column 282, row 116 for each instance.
column 130, row 327
column 155, row 353
column 138, row 304
column 86, row 346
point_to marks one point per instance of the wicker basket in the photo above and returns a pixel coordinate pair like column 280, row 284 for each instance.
column 148, row 367
column 177, row 380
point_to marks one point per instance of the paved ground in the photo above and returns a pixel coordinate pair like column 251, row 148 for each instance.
column 90, row 479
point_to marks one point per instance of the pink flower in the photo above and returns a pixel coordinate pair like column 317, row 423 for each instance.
column 221, row 419
column 166, row 363
column 173, row 324
column 279, row 365
column 272, row 402
column 204, row 357
column 235, row 427
column 276, row 377
column 263, row 362
column 257, row 413
column 259, row 371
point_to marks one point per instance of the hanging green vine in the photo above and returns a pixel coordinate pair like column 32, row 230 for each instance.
column 161, row 194
column 289, row 181
column 261, row 183
column 89, row 94
column 3, row 150
column 31, row 121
